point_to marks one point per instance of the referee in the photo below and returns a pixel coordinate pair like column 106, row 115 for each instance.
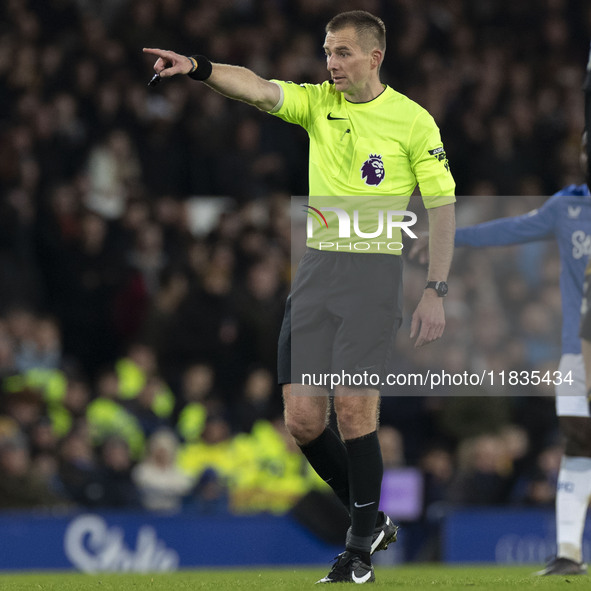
column 366, row 141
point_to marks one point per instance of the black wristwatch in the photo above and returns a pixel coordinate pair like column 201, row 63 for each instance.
column 440, row 287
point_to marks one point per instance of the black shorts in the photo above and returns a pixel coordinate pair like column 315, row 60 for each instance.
column 585, row 330
column 342, row 315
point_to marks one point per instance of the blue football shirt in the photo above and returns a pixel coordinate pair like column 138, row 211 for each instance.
column 565, row 217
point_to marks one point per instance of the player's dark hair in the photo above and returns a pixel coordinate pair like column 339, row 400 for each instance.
column 363, row 22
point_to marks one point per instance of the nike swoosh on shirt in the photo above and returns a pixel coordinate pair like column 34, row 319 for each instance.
column 364, row 504
column 362, row 579
column 331, row 118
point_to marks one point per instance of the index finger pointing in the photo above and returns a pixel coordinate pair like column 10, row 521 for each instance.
column 159, row 52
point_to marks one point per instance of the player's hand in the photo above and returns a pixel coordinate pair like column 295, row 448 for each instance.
column 420, row 248
column 428, row 320
column 169, row 63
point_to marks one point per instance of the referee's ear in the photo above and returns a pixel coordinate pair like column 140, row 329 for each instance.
column 377, row 57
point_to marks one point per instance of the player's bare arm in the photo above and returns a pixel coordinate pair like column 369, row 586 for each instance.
column 234, row 82
column 428, row 320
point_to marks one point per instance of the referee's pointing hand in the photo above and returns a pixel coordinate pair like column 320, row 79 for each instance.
column 169, row 63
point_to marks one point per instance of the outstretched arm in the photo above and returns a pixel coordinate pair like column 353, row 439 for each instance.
column 535, row 225
column 234, row 82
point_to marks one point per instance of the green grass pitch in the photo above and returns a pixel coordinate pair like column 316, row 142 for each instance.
column 416, row 578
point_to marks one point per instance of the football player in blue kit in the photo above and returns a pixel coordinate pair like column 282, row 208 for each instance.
column 566, row 218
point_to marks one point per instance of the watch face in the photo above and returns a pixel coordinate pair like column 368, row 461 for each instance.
column 441, row 288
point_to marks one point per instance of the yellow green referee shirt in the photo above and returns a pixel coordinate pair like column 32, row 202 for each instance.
column 384, row 147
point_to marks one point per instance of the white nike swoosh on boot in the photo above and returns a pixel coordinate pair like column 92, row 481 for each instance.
column 362, row 579
column 377, row 541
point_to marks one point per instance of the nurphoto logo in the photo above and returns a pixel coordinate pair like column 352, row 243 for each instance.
column 358, row 230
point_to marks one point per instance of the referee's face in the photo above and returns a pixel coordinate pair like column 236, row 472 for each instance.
column 352, row 69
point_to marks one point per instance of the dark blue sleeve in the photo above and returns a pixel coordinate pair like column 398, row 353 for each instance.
column 536, row 225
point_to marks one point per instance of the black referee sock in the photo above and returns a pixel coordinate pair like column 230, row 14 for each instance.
column 327, row 454
column 365, row 482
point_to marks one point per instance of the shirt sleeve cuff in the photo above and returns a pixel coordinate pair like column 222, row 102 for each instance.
column 280, row 101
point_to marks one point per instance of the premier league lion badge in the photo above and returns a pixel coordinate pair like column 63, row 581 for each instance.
column 372, row 171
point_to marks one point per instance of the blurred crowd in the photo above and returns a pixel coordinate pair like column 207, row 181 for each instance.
column 137, row 354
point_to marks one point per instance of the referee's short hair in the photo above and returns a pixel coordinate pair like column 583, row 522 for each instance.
column 364, row 24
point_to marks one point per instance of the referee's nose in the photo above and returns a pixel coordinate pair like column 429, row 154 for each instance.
column 330, row 63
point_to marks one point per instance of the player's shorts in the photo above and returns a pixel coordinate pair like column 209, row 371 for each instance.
column 585, row 330
column 571, row 399
column 341, row 317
